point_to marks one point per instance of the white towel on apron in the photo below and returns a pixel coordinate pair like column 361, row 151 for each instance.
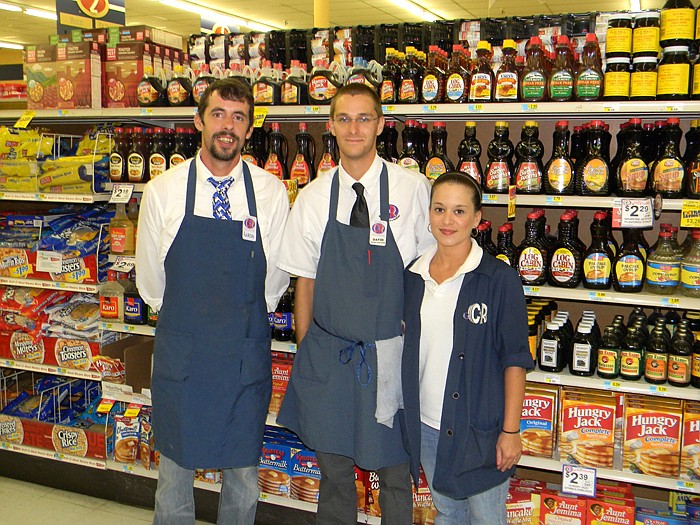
column 389, row 396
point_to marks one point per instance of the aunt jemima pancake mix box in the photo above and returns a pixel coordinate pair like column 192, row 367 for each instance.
column 523, row 503
column 610, row 511
column 652, row 436
column 587, row 428
column 690, row 452
column 558, row 509
column 539, row 421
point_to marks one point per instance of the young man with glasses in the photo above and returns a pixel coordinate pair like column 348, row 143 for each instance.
column 349, row 237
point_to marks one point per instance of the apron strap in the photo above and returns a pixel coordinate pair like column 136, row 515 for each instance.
column 249, row 191
column 191, row 184
column 345, row 354
column 335, row 189
column 383, row 195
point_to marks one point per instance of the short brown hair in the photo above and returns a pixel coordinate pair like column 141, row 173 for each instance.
column 463, row 179
column 358, row 89
column 228, row 89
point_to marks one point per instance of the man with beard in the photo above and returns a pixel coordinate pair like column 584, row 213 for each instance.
column 210, row 231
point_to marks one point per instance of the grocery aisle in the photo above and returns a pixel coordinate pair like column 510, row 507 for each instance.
column 23, row 501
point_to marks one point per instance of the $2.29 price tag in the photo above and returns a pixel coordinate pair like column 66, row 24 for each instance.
column 578, row 480
column 633, row 213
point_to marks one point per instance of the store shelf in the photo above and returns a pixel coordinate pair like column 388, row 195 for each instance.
column 138, row 188
column 92, row 375
column 616, row 475
column 564, row 378
column 51, row 285
column 138, row 329
column 567, row 201
column 53, row 197
column 283, row 346
column 52, row 454
column 609, row 296
column 131, row 468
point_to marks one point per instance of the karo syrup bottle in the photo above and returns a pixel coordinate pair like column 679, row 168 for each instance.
column 499, row 170
column 302, row 168
column 528, row 166
column 469, row 152
column 276, row 160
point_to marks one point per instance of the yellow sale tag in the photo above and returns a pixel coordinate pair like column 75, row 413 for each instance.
column 432, row 107
column 532, row 107
column 600, row 295
column 133, row 410
column 259, row 116
column 389, row 108
column 511, row 202
column 616, row 384
column 25, row 119
column 690, row 214
column 673, row 300
column 105, row 406
column 661, row 389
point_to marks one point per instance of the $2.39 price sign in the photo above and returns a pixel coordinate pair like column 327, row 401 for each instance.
column 633, row 213
column 578, row 480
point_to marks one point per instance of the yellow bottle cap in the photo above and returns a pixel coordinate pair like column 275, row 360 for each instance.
column 530, row 124
column 508, row 43
column 470, row 124
column 483, row 44
column 501, row 124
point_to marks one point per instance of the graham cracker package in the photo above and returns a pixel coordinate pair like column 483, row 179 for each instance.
column 538, row 421
column 587, row 428
column 690, row 452
column 652, row 436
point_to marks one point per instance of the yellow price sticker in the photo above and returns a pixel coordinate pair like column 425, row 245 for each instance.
column 673, row 300
column 534, row 289
column 432, row 107
column 390, row 108
column 690, row 214
column 557, row 199
column 601, row 295
column 511, row 202
column 489, row 197
column 478, row 107
column 615, row 384
column 532, row 107
column 661, row 389
column 259, row 115
column 25, row 119
column 313, row 109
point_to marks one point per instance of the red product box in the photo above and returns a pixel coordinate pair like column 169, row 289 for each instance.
column 610, row 511
column 123, row 69
column 65, row 353
column 100, row 35
column 40, row 71
column 135, row 33
column 21, row 264
column 306, row 476
column 281, row 372
column 361, row 488
column 79, row 73
column 522, row 506
column 558, row 509
column 372, row 486
column 424, row 511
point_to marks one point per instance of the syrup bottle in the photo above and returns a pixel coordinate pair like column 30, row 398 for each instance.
column 507, row 78
column 505, row 249
column 276, row 160
column 438, row 162
column 559, row 171
column 118, row 159
column 668, row 172
column 631, row 172
column 157, row 158
column 565, row 265
column 533, row 255
column 410, row 155
column 392, row 137
column 589, row 79
column 137, row 158
column 483, row 237
column 552, row 349
column 201, row 83
column 481, row 82
column 410, row 86
column 303, row 164
column 656, row 357
column 424, row 150
column 469, row 152
column 391, row 73
column 593, row 172
column 584, row 352
column 150, row 92
column 533, row 80
column 457, row 79
column 528, row 166
column 561, row 79
column 329, row 155
column 629, row 264
column 294, row 89
column 499, row 170
column 598, row 259
column 179, row 152
column 433, row 83
column 180, row 88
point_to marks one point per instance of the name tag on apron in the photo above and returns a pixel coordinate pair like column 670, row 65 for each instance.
column 250, row 229
column 377, row 234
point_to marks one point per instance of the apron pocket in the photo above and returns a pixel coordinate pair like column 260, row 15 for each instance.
column 317, row 356
column 479, row 450
column 172, row 355
column 256, row 361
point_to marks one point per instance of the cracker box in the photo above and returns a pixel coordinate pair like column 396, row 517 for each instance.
column 587, row 429
column 522, row 506
column 652, row 436
column 273, row 472
column 424, row 511
column 40, row 72
column 690, row 451
column 79, row 74
column 558, row 509
column 306, row 476
column 123, row 69
column 361, row 489
column 372, row 487
column 610, row 511
column 538, row 422
column 281, row 371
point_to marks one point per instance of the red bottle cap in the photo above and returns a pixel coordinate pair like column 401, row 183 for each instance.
column 600, row 215
column 390, row 124
column 563, row 124
column 303, row 126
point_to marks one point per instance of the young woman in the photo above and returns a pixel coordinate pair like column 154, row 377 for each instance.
column 465, row 356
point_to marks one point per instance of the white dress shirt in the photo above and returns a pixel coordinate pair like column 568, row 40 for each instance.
column 409, row 198
column 437, row 330
column 163, row 208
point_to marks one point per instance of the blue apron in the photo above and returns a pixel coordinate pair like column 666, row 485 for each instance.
column 211, row 382
column 358, row 299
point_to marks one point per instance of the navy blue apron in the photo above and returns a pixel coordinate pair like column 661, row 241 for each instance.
column 211, row 382
column 358, row 299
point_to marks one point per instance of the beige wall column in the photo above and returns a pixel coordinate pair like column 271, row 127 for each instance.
column 322, row 13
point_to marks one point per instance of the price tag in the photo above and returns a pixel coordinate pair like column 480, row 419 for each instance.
column 147, row 111
column 511, row 202
column 597, row 296
column 658, row 389
column 531, row 290
column 633, row 213
column 553, row 379
column 611, row 108
column 475, row 108
column 105, row 406
column 685, row 485
column 670, row 301
column 259, row 115
column 530, row 107
column 690, row 214
column 49, row 261
column 611, row 385
column 141, row 399
column 132, row 410
column 388, row 109
column 312, row 109
column 674, row 108
column 430, row 108
column 121, row 193
column 123, row 264
column 578, row 480
column 554, row 200
column 487, row 198
column 25, row 119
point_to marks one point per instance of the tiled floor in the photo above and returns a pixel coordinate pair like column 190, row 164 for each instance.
column 22, row 502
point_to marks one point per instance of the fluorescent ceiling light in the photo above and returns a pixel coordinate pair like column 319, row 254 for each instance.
column 10, row 45
column 40, row 13
column 416, row 10
column 10, row 7
column 635, row 6
column 217, row 15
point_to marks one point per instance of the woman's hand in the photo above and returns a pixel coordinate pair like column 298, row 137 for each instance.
column 509, row 448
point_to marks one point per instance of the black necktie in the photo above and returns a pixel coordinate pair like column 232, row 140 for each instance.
column 359, row 216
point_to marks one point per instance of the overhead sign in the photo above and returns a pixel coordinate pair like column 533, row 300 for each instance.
column 89, row 14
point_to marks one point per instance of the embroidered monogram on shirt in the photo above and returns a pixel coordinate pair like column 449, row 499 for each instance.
column 476, row 313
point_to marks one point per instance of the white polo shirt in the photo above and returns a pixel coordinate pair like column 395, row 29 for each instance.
column 163, row 208
column 437, row 330
column 409, row 200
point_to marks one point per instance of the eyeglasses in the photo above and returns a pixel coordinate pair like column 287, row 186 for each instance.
column 361, row 121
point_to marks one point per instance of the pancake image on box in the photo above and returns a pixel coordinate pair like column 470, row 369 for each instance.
column 587, row 429
column 273, row 473
column 690, row 452
column 594, row 453
column 538, row 422
column 306, row 476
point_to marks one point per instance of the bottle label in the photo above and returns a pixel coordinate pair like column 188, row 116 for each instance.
column 629, row 271
column 249, row 159
column 655, row 366
column 630, row 363
column 618, row 40
column 677, row 24
column 617, row 84
column 588, row 84
column 533, row 84
column 359, row 78
column 597, row 268
column 156, row 165
column 645, row 40
column 595, row 175
column 455, row 87
column 407, row 92
column 320, row 88
column 581, row 357
column 679, row 368
column 643, row 84
column 608, row 361
column 507, row 86
column 633, row 175
column 548, row 352
column 262, row 93
column 135, row 167
column 133, row 310
column 470, row 168
column 561, row 85
column 146, row 94
column 563, row 265
column 116, row 165
column 528, row 177
column 668, row 175
column 198, row 89
column 434, row 168
column 300, row 170
column 498, row 176
column 694, row 179
column 386, row 91
column 666, row 274
column 696, row 79
column 481, row 87
column 532, row 341
column 326, row 163
column 408, row 162
column 559, row 174
column 504, row 258
column 696, row 365
column 282, row 321
column 673, row 79
column 177, row 94
column 274, row 166
column 117, row 236
column 176, row 159
column 430, row 88
column 290, row 93
column 690, row 276
column 109, row 307
column 531, row 264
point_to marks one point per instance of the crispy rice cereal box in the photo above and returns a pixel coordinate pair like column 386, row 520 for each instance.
column 539, row 421
column 558, row 509
column 690, row 452
column 652, row 436
column 587, row 428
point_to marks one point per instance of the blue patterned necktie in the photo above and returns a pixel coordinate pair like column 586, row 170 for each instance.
column 222, row 208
